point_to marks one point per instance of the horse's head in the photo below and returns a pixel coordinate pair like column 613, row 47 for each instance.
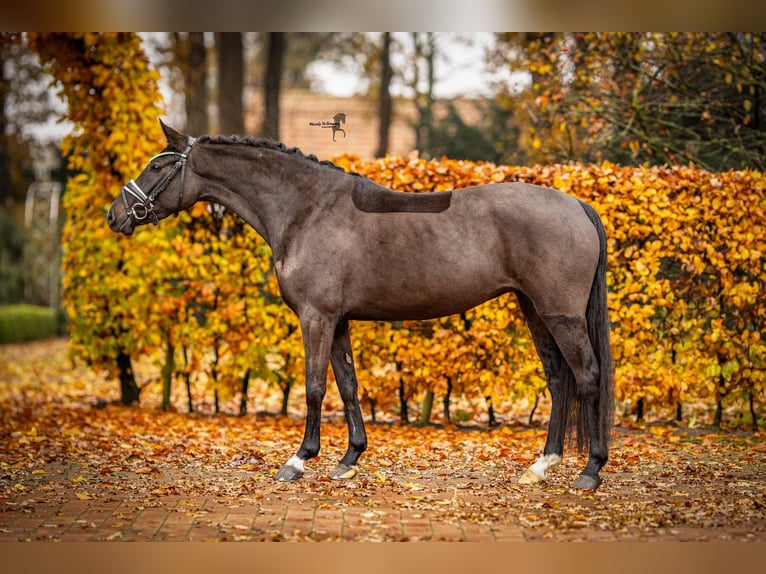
column 159, row 190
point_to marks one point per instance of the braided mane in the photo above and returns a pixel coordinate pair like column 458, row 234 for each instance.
column 268, row 144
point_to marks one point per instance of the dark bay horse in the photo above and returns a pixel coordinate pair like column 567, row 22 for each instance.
column 347, row 249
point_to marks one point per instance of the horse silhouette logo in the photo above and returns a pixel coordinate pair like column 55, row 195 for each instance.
column 338, row 119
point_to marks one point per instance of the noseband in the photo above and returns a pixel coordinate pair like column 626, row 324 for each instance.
column 143, row 206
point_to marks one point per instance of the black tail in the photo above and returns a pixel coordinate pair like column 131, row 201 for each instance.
column 597, row 316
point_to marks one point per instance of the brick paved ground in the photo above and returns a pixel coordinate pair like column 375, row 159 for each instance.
column 437, row 509
column 181, row 519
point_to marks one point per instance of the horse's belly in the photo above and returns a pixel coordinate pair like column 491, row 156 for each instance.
column 418, row 294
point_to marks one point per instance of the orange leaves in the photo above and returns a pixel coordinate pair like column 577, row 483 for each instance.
column 415, row 174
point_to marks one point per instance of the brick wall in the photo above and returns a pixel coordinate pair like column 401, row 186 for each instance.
column 301, row 108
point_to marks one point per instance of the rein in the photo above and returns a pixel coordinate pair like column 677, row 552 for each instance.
column 143, row 206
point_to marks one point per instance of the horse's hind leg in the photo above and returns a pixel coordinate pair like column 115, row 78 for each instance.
column 552, row 361
column 342, row 361
column 571, row 335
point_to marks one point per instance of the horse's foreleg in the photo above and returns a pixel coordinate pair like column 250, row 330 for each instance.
column 317, row 334
column 342, row 361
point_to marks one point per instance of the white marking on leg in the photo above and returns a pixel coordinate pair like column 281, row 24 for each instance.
column 544, row 464
column 297, row 463
column 538, row 471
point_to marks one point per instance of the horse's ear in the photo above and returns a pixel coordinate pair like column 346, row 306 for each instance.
column 176, row 140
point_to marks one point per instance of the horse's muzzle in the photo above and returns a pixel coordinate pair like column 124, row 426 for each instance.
column 119, row 223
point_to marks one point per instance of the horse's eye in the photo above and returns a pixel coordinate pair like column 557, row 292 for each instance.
column 155, row 166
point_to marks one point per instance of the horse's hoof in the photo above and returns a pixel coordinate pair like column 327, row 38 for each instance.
column 529, row 477
column 343, row 472
column 587, row 482
column 288, row 473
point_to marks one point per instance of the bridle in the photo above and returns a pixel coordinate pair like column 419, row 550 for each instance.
column 143, row 206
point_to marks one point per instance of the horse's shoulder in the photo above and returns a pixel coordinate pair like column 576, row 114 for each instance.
column 370, row 197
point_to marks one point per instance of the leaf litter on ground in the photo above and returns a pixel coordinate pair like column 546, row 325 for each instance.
column 57, row 442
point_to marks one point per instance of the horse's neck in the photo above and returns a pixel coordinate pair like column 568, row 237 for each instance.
column 274, row 192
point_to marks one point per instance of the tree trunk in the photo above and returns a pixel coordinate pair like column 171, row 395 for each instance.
column 214, row 372
column 286, row 386
column 446, row 401
column 428, row 403
column 721, row 392
column 228, row 48
column 187, row 377
column 424, row 100
column 403, row 414
column 5, row 162
column 373, row 404
column 191, row 56
column 129, row 391
column 640, row 410
column 679, row 406
column 718, row 418
column 277, row 46
column 534, row 408
column 492, row 422
column 385, row 107
column 167, row 373
column 753, row 416
column 243, row 400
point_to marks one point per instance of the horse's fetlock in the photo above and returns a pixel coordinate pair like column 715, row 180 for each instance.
column 358, row 445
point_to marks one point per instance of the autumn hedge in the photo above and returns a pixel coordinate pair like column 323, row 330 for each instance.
column 199, row 294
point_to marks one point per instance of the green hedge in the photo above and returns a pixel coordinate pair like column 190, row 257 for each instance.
column 27, row 322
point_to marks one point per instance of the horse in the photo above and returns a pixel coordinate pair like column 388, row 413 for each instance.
column 347, row 249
